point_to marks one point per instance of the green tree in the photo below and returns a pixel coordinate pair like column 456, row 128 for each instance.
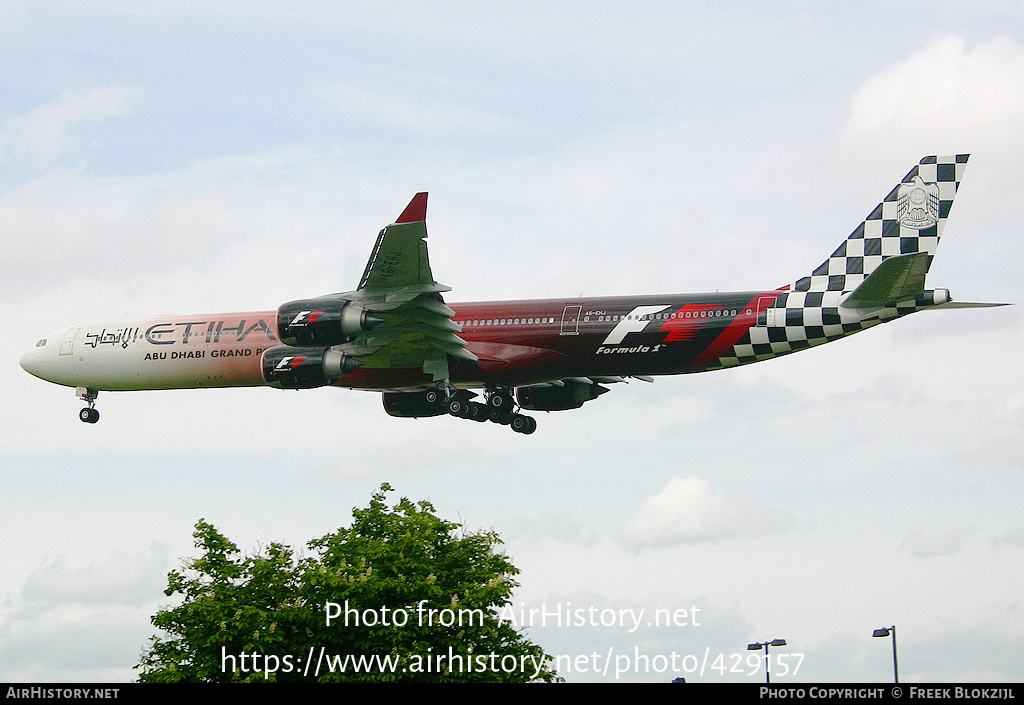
column 400, row 595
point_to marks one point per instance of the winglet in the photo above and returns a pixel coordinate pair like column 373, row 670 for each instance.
column 416, row 211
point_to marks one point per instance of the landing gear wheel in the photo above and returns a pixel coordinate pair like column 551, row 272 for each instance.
column 500, row 400
column 458, row 407
column 432, row 396
column 500, row 415
column 500, row 406
column 523, row 424
column 478, row 411
column 89, row 413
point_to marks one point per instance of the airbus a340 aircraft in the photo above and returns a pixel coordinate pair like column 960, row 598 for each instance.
column 395, row 333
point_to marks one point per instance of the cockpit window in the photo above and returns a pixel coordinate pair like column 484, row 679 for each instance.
column 41, row 343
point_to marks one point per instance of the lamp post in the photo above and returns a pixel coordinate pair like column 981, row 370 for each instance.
column 886, row 631
column 756, row 646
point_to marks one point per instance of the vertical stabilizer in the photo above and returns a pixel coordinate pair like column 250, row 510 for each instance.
column 876, row 275
column 909, row 220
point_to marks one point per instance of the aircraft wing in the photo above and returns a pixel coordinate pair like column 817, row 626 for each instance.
column 398, row 286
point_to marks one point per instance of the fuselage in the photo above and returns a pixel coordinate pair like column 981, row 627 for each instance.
column 517, row 342
column 396, row 334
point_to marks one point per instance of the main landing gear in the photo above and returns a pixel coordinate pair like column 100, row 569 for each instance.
column 500, row 408
column 89, row 413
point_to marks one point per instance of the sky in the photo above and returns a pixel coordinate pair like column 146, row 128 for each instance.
column 186, row 157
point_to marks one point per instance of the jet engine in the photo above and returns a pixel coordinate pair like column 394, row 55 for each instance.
column 571, row 395
column 322, row 322
column 287, row 367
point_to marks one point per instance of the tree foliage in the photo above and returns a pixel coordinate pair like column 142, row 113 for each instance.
column 413, row 598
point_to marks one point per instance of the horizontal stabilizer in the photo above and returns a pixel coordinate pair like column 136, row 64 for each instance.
column 897, row 278
column 969, row 304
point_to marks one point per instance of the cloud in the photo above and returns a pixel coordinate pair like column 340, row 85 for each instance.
column 1013, row 538
column 394, row 110
column 82, row 624
column 928, row 544
column 942, row 92
column 44, row 133
column 560, row 527
column 687, row 511
column 124, row 579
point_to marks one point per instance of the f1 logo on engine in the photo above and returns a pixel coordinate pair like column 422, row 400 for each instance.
column 305, row 318
column 633, row 322
column 289, row 362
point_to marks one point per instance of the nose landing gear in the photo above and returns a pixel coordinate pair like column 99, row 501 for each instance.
column 89, row 413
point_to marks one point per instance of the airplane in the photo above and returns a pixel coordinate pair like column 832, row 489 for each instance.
column 395, row 334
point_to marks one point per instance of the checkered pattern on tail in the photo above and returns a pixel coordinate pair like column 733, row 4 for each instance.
column 807, row 313
column 804, row 319
column 910, row 219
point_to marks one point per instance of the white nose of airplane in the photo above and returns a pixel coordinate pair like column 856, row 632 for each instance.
column 34, row 360
column 30, row 362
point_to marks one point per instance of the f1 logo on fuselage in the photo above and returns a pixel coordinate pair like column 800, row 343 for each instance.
column 633, row 322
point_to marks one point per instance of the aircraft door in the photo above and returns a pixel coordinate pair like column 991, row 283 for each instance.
column 766, row 311
column 67, row 345
column 571, row 320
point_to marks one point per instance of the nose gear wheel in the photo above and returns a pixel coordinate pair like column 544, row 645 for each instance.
column 89, row 413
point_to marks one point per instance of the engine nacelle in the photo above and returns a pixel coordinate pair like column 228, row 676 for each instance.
column 414, row 404
column 287, row 367
column 571, row 395
column 322, row 322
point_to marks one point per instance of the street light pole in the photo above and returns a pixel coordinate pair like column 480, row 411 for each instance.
column 756, row 646
column 886, row 631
